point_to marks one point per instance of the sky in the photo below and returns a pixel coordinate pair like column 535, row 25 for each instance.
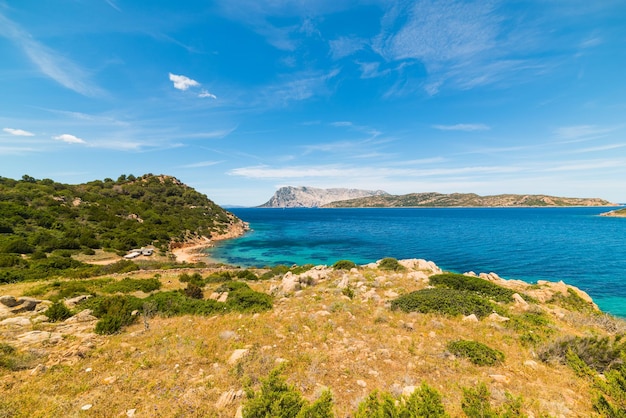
column 237, row 98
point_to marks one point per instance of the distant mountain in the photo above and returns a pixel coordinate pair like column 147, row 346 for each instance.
column 466, row 200
column 307, row 197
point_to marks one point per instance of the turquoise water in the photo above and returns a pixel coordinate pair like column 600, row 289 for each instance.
column 570, row 244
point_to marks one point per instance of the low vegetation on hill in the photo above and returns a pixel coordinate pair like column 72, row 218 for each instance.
column 396, row 338
column 465, row 200
column 45, row 224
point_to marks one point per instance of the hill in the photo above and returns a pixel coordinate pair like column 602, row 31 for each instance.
column 45, row 225
column 619, row 213
column 465, row 200
column 307, row 197
column 387, row 336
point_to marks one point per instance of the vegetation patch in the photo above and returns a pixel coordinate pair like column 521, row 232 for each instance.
column 128, row 285
column 533, row 327
column 57, row 312
column 390, row 264
column 573, row 302
column 344, row 265
column 443, row 301
column 476, row 404
column 598, row 353
column 476, row 352
column 472, row 284
column 12, row 359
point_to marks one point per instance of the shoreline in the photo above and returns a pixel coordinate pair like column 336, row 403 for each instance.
column 191, row 251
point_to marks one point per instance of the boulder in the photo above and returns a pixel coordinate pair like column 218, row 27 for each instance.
column 228, row 398
column 72, row 302
column 34, row 337
column 8, row 301
column 25, row 304
column 19, row 321
column 494, row 317
column 470, row 318
column 237, row 355
column 290, row 283
column 83, row 316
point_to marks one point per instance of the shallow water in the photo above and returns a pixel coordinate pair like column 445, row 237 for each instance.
column 570, row 244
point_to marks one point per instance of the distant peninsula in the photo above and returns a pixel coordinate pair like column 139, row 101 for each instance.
column 308, row 197
column 466, row 200
column 619, row 213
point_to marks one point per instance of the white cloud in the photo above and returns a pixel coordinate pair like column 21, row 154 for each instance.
column 205, row 93
column 182, row 82
column 466, row 127
column 18, row 132
column 341, row 123
column 70, row 139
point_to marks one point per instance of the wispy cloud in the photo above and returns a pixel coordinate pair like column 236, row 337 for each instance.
column 18, row 132
column 182, row 82
column 50, row 62
column 205, row 93
column 69, row 139
column 201, row 164
column 345, row 46
column 580, row 133
column 113, row 5
column 300, row 86
column 466, row 127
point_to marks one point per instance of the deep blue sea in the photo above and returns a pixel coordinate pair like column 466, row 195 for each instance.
column 570, row 244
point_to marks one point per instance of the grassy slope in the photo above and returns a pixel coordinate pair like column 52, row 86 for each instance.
column 179, row 367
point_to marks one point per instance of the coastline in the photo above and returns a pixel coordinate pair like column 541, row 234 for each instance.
column 191, row 250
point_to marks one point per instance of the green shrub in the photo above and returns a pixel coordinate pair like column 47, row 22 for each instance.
column 472, row 284
column 276, row 399
column 193, row 291
column 391, row 264
column 247, row 275
column 443, row 301
column 377, row 405
column 114, row 312
column 611, row 399
column 301, row 269
column 476, row 352
column 321, row 408
column 348, row 291
column 344, row 265
column 476, row 404
column 242, row 298
column 598, row 353
column 219, row 277
column 532, row 327
column 573, row 302
column 194, row 278
column 57, row 312
column 424, row 402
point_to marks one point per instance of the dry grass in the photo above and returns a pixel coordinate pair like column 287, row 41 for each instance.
column 180, row 367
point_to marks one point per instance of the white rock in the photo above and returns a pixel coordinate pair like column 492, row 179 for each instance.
column 237, row 355
column 361, row 383
column 86, row 407
column 498, row 318
column 130, row 412
column 470, row 318
column 19, row 321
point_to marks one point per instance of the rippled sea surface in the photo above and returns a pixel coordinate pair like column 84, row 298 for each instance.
column 570, row 244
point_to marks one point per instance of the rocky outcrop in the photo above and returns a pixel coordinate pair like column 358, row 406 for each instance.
column 307, row 197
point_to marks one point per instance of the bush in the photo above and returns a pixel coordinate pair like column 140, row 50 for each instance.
column 247, row 275
column 475, row 404
column 193, row 291
column 114, row 312
column 443, row 301
column 14, row 360
column 391, row 264
column 611, row 401
column 472, row 284
column 344, row 265
column 476, row 352
column 424, row 402
column 599, row 354
column 57, row 312
column 276, row 399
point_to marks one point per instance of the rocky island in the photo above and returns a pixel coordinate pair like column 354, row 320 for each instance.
column 308, row 197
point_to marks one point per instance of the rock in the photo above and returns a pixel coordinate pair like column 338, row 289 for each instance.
column 228, row 398
column 499, row 378
column 531, row 363
column 239, row 413
column 361, row 383
column 18, row 321
column 223, row 297
column 407, row 391
column 40, row 319
column 391, row 294
column 214, row 296
column 494, row 317
column 417, row 275
column 33, row 337
column 237, row 355
column 343, row 283
column 83, row 316
column 109, row 380
column 25, row 304
column 86, row 407
column 290, row 283
column 470, row 318
column 131, row 412
column 519, row 300
column 322, row 313
column 8, row 301
column 40, row 368
column 72, row 302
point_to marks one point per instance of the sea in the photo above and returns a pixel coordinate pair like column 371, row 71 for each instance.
column 574, row 245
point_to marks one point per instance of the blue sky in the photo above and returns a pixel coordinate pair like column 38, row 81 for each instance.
column 239, row 97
